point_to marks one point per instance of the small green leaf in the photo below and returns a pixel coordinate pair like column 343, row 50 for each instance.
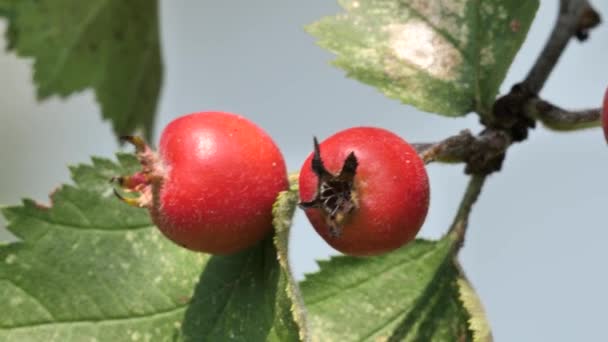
column 92, row 268
column 407, row 295
column 443, row 56
column 111, row 46
column 250, row 296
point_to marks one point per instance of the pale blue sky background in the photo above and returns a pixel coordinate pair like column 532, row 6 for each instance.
column 536, row 250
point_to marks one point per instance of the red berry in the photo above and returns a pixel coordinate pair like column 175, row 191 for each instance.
column 213, row 182
column 365, row 191
column 605, row 115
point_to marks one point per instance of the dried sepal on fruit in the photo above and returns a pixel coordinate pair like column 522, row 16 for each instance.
column 365, row 191
column 334, row 192
column 143, row 182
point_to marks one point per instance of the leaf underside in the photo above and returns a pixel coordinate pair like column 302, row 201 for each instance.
column 110, row 46
column 442, row 56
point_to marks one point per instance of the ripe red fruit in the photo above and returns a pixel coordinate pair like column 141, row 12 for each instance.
column 212, row 184
column 605, row 115
column 365, row 191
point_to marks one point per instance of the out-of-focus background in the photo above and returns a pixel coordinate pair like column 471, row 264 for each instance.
column 536, row 249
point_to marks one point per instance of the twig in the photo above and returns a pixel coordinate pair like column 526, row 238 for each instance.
column 513, row 114
column 422, row 147
column 560, row 119
column 451, row 150
column 589, row 19
column 575, row 19
column 483, row 154
column 569, row 22
column 459, row 225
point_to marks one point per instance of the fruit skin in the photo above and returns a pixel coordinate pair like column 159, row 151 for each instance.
column 219, row 177
column 391, row 190
column 605, row 115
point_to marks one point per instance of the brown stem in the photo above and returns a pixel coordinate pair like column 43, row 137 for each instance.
column 514, row 114
column 561, row 119
column 483, row 153
column 574, row 17
column 461, row 221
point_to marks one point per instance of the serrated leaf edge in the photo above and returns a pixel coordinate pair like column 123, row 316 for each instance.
column 147, row 128
column 478, row 321
column 6, row 213
column 282, row 211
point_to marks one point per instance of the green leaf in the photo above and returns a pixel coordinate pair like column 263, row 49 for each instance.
column 5, row 6
column 291, row 314
column 111, row 46
column 443, row 56
column 250, row 296
column 92, row 268
column 410, row 294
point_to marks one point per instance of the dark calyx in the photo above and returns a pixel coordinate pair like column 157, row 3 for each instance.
column 334, row 192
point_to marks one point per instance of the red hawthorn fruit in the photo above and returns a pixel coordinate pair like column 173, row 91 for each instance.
column 365, row 191
column 212, row 183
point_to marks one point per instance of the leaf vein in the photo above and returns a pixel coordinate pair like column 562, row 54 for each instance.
column 63, row 57
column 106, row 320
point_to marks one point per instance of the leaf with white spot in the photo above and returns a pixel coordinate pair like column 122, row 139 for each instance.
column 110, row 46
column 443, row 56
column 250, row 296
column 89, row 267
column 410, row 294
